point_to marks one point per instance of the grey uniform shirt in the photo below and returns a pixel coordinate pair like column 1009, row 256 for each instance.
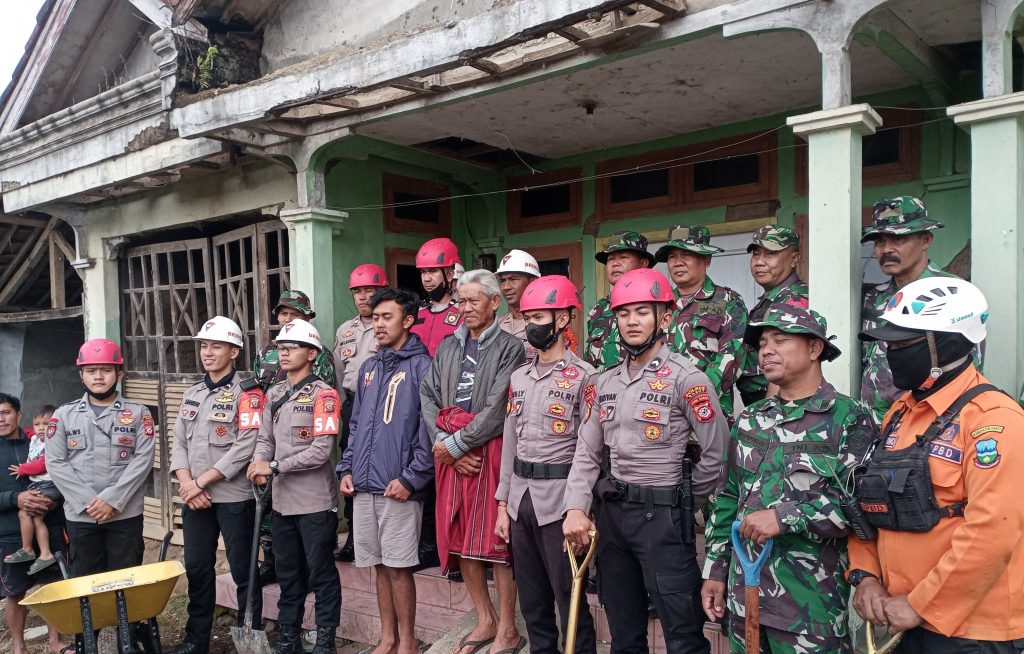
column 109, row 456
column 647, row 423
column 516, row 327
column 217, row 429
column 544, row 414
column 301, row 437
column 353, row 343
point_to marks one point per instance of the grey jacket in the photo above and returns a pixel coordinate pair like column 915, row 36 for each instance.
column 500, row 354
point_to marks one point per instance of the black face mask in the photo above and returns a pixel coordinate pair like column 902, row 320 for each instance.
column 104, row 395
column 440, row 291
column 910, row 366
column 541, row 337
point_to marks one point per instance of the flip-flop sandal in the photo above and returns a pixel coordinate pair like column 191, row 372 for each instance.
column 21, row 556
column 513, row 650
column 40, row 564
column 477, row 645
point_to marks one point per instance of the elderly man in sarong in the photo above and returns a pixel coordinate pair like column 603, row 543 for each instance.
column 464, row 400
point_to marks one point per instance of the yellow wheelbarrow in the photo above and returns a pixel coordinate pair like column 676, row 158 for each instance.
column 84, row 605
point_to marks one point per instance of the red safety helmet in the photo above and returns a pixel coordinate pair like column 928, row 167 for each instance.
column 550, row 292
column 367, row 274
column 100, row 352
column 642, row 285
column 438, row 253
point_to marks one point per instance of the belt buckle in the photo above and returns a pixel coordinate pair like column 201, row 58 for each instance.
column 528, row 469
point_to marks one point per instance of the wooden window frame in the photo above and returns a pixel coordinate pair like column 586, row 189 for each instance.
column 608, row 210
column 764, row 189
column 575, row 256
column 394, row 257
column 515, row 221
column 393, row 184
column 906, row 169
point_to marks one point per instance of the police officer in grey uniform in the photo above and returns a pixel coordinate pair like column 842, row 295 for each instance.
column 99, row 453
column 548, row 398
column 660, row 418
column 214, row 439
column 297, row 433
column 354, row 343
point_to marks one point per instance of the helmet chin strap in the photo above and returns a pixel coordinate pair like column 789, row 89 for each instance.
column 105, row 394
column 937, row 371
column 636, row 350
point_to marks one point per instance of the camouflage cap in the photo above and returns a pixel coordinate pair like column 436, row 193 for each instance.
column 295, row 300
column 626, row 242
column 898, row 216
column 793, row 319
column 689, row 238
column 775, row 238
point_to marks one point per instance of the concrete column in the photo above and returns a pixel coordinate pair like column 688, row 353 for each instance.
column 997, row 227
column 834, row 203
column 311, row 250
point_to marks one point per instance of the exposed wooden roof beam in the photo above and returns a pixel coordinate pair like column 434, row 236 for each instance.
column 25, row 266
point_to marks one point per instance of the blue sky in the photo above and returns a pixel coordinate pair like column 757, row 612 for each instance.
column 19, row 18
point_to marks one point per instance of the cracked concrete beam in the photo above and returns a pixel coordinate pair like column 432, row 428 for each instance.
column 997, row 21
column 894, row 38
column 831, row 26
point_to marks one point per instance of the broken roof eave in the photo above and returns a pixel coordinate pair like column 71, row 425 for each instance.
column 424, row 54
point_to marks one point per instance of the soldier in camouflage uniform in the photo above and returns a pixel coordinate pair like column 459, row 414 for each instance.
column 902, row 232
column 627, row 251
column 291, row 305
column 774, row 257
column 709, row 319
column 789, row 465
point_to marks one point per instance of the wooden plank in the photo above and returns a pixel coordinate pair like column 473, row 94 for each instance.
column 572, row 33
column 667, row 7
column 57, row 262
column 26, row 266
column 23, row 221
column 40, row 314
column 5, row 238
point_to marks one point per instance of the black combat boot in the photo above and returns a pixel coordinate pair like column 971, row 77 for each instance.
column 347, row 552
column 288, row 640
column 326, row 641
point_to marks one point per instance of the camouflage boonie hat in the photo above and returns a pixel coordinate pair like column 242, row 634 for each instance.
column 898, row 216
column 775, row 238
column 626, row 242
column 295, row 300
column 793, row 320
column 689, row 238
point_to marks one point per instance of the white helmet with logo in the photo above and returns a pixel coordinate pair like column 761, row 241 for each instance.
column 300, row 331
column 939, row 304
column 221, row 329
column 457, row 271
column 518, row 261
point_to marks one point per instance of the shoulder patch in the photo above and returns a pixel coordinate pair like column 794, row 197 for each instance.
column 987, row 429
column 699, row 400
column 326, row 414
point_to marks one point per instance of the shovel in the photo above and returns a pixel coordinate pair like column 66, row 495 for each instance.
column 752, row 588
column 579, row 578
column 248, row 640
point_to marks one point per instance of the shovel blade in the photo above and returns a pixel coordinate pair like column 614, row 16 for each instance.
column 250, row 641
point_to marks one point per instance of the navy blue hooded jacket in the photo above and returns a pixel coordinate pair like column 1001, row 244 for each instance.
column 388, row 438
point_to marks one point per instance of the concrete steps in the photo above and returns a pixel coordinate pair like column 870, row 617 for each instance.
column 441, row 604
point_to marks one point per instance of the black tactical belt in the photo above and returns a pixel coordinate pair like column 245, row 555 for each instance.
column 650, row 495
column 528, row 470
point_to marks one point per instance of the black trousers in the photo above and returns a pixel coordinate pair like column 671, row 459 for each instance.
column 920, row 640
column 101, row 547
column 544, row 579
column 641, row 556
column 304, row 560
column 346, row 433
column 235, row 521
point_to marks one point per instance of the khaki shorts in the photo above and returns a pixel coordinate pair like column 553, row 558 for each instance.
column 386, row 531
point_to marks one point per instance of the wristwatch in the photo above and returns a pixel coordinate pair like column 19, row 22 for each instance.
column 857, row 576
column 274, row 467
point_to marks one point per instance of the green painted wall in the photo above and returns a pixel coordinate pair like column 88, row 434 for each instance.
column 479, row 222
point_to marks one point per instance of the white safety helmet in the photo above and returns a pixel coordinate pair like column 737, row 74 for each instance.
column 300, row 331
column 518, row 261
column 221, row 329
column 939, row 304
column 457, row 271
